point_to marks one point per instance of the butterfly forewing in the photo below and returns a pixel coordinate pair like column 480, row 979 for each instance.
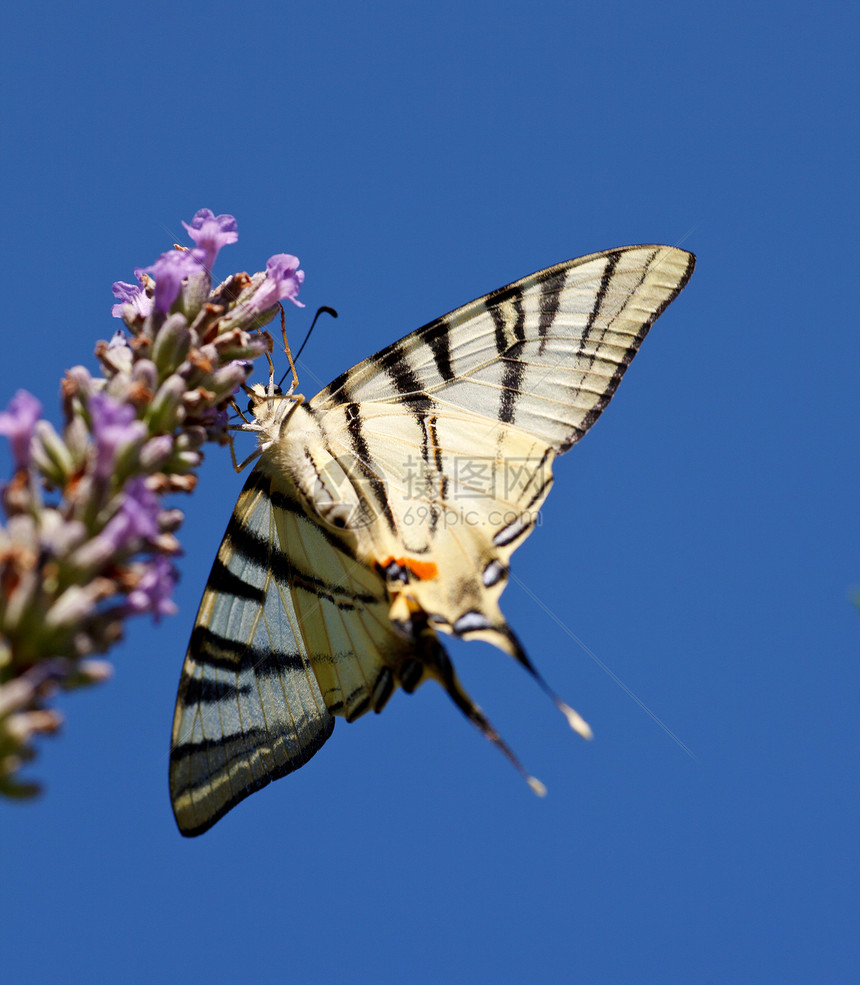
column 544, row 354
column 249, row 707
column 387, row 509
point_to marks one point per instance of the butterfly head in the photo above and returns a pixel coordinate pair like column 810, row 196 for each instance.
column 261, row 396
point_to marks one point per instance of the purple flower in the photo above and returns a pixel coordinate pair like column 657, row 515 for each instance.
column 133, row 294
column 114, row 426
column 152, row 593
column 210, row 232
column 17, row 424
column 136, row 518
column 169, row 271
column 283, row 280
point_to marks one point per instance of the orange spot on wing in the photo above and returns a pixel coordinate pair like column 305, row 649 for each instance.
column 421, row 569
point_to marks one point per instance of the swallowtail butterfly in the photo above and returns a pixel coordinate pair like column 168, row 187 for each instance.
column 384, row 512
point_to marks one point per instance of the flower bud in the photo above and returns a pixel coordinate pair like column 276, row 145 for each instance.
column 93, row 555
column 171, row 344
column 79, row 382
column 170, row 520
column 185, row 461
column 77, row 437
column 23, row 725
column 145, row 372
column 191, row 438
column 156, row 452
column 224, row 382
column 21, row 602
column 167, row 544
column 88, row 672
column 237, row 345
column 166, row 411
column 18, row 423
column 78, row 603
column 195, row 293
column 59, row 535
column 50, row 455
column 128, row 454
column 116, row 356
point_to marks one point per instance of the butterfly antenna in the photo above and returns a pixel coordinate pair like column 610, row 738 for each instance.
column 329, row 311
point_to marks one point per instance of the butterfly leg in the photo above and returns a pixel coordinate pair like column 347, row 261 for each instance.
column 289, row 354
column 241, row 466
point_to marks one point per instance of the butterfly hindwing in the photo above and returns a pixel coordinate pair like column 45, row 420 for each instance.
column 460, row 495
column 292, row 630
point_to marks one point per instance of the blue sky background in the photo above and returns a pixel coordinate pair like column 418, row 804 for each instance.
column 702, row 541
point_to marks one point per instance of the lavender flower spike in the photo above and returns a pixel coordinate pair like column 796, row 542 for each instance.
column 86, row 542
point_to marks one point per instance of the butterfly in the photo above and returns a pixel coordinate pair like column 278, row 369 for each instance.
column 384, row 512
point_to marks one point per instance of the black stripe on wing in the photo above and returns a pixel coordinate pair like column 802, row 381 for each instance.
column 396, row 363
column 223, row 581
column 632, row 347
column 210, row 649
column 550, row 296
column 554, row 368
column 438, row 337
column 362, row 453
column 264, row 555
column 509, row 343
column 231, row 753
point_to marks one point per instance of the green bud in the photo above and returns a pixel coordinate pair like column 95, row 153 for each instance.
column 195, row 293
column 171, row 345
column 166, row 411
column 184, row 461
column 238, row 344
column 51, row 455
column 191, row 438
column 155, row 453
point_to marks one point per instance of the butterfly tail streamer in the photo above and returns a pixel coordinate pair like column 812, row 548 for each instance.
column 444, row 672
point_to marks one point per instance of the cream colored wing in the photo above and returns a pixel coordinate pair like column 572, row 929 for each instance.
column 544, row 354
